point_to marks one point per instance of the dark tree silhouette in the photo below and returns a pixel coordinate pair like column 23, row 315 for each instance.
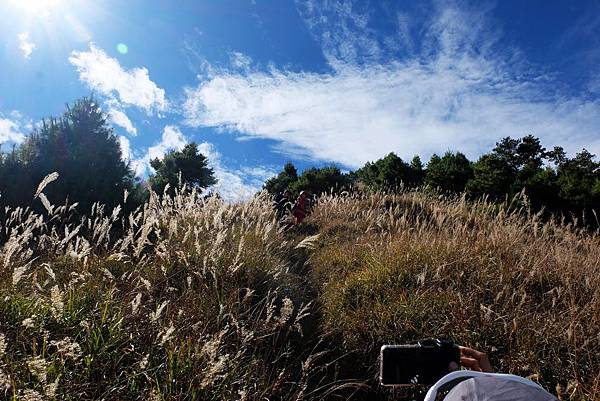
column 320, row 180
column 283, row 180
column 316, row 180
column 417, row 171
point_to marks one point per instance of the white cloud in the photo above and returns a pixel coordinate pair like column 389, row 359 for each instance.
column 240, row 60
column 120, row 118
column 342, row 29
column 126, row 153
column 172, row 139
column 260, row 173
column 130, row 87
column 139, row 166
column 458, row 91
column 11, row 131
column 26, row 45
column 232, row 185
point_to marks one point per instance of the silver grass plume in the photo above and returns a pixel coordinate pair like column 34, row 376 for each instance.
column 47, row 180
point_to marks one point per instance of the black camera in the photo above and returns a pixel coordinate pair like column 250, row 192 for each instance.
column 422, row 363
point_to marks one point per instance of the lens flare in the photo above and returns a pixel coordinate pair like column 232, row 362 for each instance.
column 122, row 48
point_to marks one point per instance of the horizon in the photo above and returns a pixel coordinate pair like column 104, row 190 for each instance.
column 257, row 84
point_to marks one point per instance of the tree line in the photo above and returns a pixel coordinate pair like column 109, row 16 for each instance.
column 81, row 146
column 550, row 180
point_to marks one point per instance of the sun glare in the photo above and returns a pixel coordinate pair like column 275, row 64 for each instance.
column 36, row 6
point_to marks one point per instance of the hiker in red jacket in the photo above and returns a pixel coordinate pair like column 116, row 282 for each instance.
column 300, row 207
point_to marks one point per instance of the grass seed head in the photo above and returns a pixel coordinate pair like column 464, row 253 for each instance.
column 38, row 367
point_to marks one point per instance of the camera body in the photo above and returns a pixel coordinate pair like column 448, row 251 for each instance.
column 422, row 363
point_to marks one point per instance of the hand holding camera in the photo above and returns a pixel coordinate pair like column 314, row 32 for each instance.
column 427, row 361
column 474, row 360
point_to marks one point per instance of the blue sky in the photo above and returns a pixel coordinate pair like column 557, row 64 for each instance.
column 258, row 83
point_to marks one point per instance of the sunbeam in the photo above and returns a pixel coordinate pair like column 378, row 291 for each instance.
column 37, row 7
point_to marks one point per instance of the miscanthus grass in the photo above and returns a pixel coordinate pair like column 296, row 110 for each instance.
column 186, row 298
column 189, row 298
column 396, row 268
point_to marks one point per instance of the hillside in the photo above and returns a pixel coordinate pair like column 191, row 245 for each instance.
column 202, row 300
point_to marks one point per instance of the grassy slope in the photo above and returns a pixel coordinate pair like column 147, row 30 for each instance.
column 201, row 300
column 400, row 268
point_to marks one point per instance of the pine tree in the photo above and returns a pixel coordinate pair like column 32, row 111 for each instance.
column 185, row 167
column 82, row 148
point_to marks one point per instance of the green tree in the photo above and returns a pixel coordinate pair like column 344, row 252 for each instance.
column 11, row 175
column 557, row 156
column 417, row 171
column 450, row 172
column 506, row 150
column 543, row 190
column 186, row 167
column 579, row 181
column 82, row 148
column 390, row 172
column 320, row 180
column 492, row 175
column 524, row 157
column 530, row 154
column 283, row 180
column 515, row 165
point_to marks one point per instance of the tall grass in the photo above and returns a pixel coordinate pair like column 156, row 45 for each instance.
column 192, row 301
column 397, row 268
column 195, row 299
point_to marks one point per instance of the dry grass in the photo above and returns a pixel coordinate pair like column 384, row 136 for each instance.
column 398, row 268
column 201, row 300
column 193, row 301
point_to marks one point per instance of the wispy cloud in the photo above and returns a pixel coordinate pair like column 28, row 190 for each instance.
column 26, row 45
column 240, row 60
column 586, row 30
column 260, row 173
column 594, row 84
column 129, row 87
column 342, row 28
column 459, row 89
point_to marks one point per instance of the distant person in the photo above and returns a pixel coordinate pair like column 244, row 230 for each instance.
column 481, row 384
column 300, row 207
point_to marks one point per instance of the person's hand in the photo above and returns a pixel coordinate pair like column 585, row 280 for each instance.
column 474, row 360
